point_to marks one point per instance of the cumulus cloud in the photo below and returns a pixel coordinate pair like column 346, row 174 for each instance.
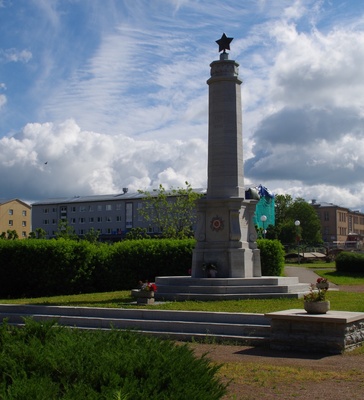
column 48, row 160
column 310, row 137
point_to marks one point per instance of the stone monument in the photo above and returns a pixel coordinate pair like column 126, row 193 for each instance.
column 226, row 260
column 225, row 231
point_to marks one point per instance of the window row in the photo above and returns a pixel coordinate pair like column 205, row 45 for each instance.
column 11, row 223
column 23, row 213
column 84, row 208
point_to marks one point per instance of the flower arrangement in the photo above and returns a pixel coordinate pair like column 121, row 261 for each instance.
column 147, row 286
column 209, row 267
column 317, row 291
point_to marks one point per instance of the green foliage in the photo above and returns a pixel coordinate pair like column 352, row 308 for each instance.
column 66, row 231
column 137, row 234
column 31, row 268
column 41, row 361
column 92, row 235
column 271, row 257
column 350, row 262
column 172, row 211
column 288, row 211
column 9, row 235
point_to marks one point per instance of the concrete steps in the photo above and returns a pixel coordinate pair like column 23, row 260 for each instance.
column 252, row 329
column 186, row 288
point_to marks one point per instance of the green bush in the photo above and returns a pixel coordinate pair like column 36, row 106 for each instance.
column 350, row 262
column 40, row 361
column 271, row 257
column 34, row 268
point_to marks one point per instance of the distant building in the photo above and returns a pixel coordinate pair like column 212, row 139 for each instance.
column 15, row 215
column 340, row 226
column 111, row 215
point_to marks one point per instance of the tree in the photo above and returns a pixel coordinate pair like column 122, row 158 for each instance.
column 65, row 231
column 288, row 211
column 172, row 211
column 92, row 235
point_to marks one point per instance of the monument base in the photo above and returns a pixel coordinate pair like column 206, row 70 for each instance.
column 180, row 288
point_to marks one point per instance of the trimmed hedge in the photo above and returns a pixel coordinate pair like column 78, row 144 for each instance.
column 36, row 268
column 350, row 262
column 33, row 268
column 271, row 257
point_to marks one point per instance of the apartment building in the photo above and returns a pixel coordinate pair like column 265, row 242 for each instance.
column 111, row 215
column 15, row 215
column 339, row 225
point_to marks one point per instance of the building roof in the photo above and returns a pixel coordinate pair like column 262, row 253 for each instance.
column 4, row 201
column 98, row 198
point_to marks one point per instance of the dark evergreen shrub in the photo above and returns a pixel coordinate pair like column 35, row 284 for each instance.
column 41, row 361
column 350, row 262
column 271, row 257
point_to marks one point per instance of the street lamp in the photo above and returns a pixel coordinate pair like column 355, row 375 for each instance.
column 263, row 218
column 298, row 223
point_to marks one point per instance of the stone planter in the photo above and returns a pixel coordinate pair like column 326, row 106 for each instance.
column 317, row 307
column 322, row 285
column 143, row 296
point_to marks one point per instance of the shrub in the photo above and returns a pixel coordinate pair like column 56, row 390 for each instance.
column 271, row 257
column 350, row 262
column 41, row 361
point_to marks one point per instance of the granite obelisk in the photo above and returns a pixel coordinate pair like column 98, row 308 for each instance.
column 225, row 231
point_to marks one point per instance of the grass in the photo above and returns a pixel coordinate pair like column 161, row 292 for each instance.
column 341, row 300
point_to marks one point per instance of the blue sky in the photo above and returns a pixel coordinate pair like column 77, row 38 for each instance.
column 113, row 94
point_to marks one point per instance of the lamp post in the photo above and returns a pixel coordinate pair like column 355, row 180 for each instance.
column 298, row 223
column 263, row 218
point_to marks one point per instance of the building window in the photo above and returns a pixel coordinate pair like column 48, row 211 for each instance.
column 326, row 216
column 23, row 234
column 24, row 213
column 54, row 221
column 73, row 220
column 91, row 208
column 108, row 219
column 81, row 220
column 129, row 215
column 99, row 219
column 11, row 211
column 73, row 209
column 63, row 209
column 54, row 209
column 140, row 216
column 118, row 218
column 82, row 208
column 24, row 223
column 45, row 221
column 81, row 231
column 45, row 210
column 91, row 219
column 10, row 222
column 99, row 208
column 118, row 207
column 108, row 207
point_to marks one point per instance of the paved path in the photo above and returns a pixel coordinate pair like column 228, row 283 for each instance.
column 305, row 275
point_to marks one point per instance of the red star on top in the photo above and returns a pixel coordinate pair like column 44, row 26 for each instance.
column 224, row 43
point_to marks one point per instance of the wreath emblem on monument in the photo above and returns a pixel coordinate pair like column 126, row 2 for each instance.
column 217, row 224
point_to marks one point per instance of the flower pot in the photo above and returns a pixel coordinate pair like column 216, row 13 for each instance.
column 323, row 285
column 317, row 307
column 212, row 273
column 143, row 296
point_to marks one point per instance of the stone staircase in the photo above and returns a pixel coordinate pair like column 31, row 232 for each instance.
column 248, row 329
column 181, row 288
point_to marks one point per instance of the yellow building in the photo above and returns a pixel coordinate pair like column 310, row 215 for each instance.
column 15, row 215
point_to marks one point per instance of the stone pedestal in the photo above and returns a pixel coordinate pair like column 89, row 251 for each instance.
column 333, row 332
column 226, row 237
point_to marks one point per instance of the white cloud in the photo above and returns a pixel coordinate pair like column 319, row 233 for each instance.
column 15, row 55
column 82, row 162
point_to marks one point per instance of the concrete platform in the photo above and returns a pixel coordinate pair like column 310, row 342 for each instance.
column 181, row 288
column 333, row 332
